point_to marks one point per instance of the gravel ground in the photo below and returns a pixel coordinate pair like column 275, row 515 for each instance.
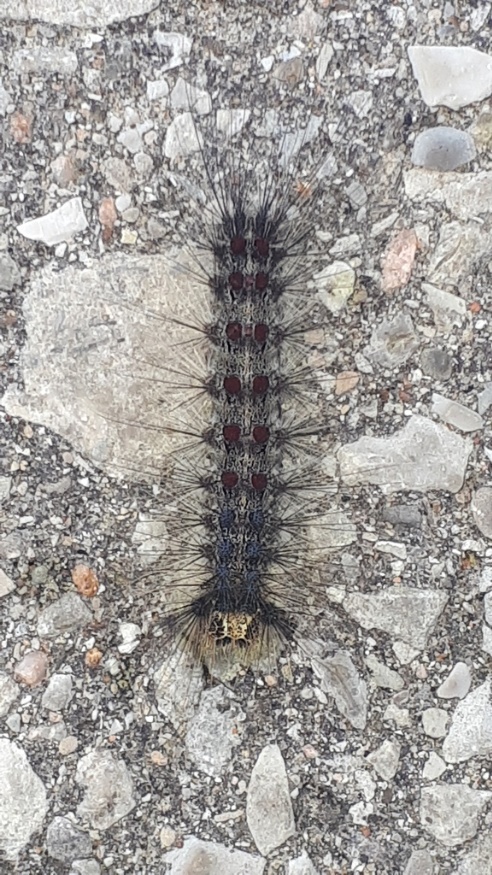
column 367, row 749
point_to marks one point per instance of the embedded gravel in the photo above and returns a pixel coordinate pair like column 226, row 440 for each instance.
column 367, row 749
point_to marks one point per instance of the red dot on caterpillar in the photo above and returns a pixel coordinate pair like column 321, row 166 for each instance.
column 238, row 245
column 260, row 332
column 234, row 331
column 261, row 434
column 260, row 384
column 232, row 385
column 231, row 433
column 262, row 247
column 261, row 282
column 229, row 479
column 259, row 482
column 236, row 281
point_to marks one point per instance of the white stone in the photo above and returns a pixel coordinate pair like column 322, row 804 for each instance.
column 214, row 731
column 361, row 812
column 130, row 633
column 365, row 784
column 459, row 247
column 450, row 812
column 399, row 716
column 4, row 99
column 485, row 398
column 392, row 548
column 187, row 97
column 178, row 685
column 340, row 679
column 384, row 676
column 434, row 767
column 481, row 507
column 466, row 195
column 479, row 15
column 456, row 414
column 423, row 455
column 435, row 721
column 150, row 537
column 79, row 13
column 470, row 733
column 444, row 304
column 335, row 285
column 93, row 387
column 485, row 582
column 404, row 652
column 386, row 759
column 487, row 605
column 23, row 802
column 63, row 615
column 404, row 612
column 108, row 789
column 361, row 102
column 181, row 137
column 451, row 76
column 197, row 856
column 57, row 226
column 131, row 139
column 268, row 804
column 326, row 53
column 457, row 683
column 157, row 89
column 301, row 866
column 6, row 584
column 51, row 59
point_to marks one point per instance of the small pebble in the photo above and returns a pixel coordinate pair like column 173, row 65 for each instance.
column 456, row 414
column 457, row 683
column 437, row 363
column 443, row 149
column 435, row 721
column 32, row 668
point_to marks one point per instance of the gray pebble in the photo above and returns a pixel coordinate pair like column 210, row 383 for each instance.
column 212, row 732
column 67, row 613
column 58, row 692
column 9, row 273
column 443, row 148
column 65, row 842
column 436, row 363
column 392, row 342
column 109, row 789
column 402, row 515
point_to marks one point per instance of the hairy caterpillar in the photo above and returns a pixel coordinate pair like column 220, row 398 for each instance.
column 248, row 526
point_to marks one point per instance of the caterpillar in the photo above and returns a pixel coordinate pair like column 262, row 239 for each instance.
column 250, row 478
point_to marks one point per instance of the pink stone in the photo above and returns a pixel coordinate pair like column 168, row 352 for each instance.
column 32, row 669
column 398, row 260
